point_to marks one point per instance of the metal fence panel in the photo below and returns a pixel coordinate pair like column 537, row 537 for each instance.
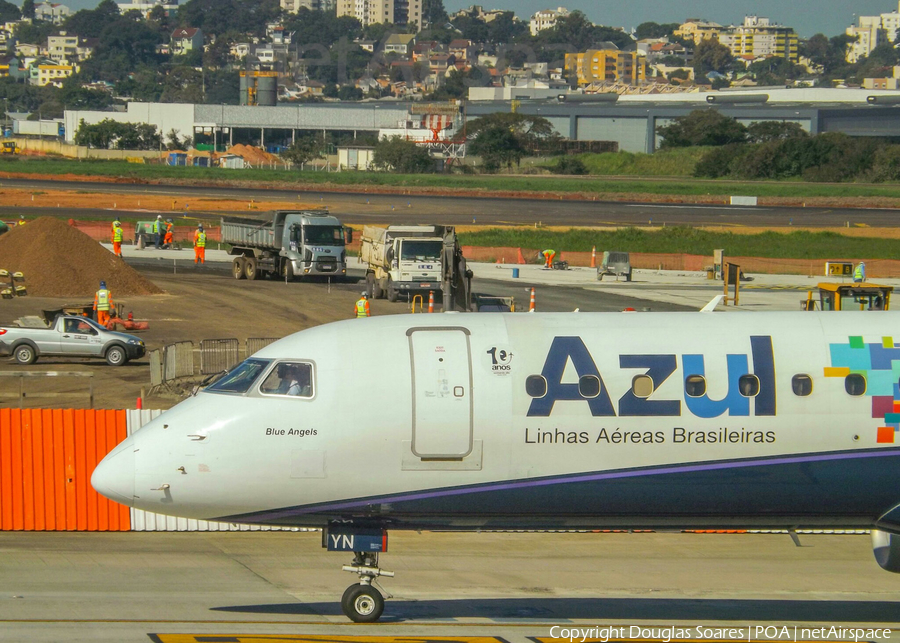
column 156, row 368
column 217, row 355
column 255, row 344
column 178, row 360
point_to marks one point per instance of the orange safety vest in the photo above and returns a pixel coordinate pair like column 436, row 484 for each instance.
column 102, row 300
column 200, row 239
column 362, row 308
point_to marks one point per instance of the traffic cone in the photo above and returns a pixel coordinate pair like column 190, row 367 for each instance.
column 431, row 301
column 531, row 305
column 594, row 257
column 519, row 258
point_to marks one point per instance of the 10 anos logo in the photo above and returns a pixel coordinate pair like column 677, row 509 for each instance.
column 500, row 360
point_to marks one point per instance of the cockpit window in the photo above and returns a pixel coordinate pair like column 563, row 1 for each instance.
column 293, row 379
column 241, row 377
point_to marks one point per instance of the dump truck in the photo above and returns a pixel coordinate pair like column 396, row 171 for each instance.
column 292, row 244
column 415, row 259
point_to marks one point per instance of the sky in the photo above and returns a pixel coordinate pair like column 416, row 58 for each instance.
column 807, row 17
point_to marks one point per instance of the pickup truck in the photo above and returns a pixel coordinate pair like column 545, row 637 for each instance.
column 70, row 336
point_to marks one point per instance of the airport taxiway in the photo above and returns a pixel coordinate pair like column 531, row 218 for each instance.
column 72, row 587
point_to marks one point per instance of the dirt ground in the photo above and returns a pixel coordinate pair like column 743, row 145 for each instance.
column 11, row 197
column 197, row 304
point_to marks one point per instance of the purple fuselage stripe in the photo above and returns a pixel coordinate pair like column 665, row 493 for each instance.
column 542, row 482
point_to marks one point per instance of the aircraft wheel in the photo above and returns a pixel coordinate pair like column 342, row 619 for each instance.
column 362, row 603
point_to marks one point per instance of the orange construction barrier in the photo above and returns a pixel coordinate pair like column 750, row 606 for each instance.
column 531, row 305
column 519, row 258
column 594, row 257
column 431, row 301
column 46, row 460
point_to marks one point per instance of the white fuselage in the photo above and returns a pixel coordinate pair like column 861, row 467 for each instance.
column 441, row 420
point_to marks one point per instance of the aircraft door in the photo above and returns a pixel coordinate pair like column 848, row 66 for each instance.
column 442, row 392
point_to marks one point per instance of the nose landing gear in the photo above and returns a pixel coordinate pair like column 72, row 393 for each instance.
column 364, row 602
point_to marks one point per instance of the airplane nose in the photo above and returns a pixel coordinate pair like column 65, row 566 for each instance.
column 114, row 475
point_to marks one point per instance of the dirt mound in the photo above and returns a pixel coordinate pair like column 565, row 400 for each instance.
column 60, row 261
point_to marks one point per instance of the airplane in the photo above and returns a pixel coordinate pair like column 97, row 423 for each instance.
column 670, row 421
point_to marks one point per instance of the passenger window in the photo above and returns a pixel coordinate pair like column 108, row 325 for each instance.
column 802, row 385
column 589, row 386
column 695, row 385
column 536, row 386
column 748, row 385
column 855, row 384
column 293, row 379
column 642, row 386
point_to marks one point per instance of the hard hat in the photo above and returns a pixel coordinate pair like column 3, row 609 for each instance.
column 168, row 220
column 159, row 216
column 365, row 294
column 200, row 226
column 103, row 284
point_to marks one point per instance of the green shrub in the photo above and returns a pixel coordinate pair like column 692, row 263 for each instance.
column 570, row 165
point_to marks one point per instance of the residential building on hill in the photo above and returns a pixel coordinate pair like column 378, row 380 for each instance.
column 546, row 19
column 698, row 30
column 607, row 64
column 370, row 12
column 146, row 6
column 871, row 32
column 759, row 37
column 185, row 39
column 51, row 12
column 293, row 6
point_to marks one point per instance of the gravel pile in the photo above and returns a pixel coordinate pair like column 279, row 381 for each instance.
column 60, row 261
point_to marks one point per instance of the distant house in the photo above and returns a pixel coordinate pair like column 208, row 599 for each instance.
column 367, row 45
column 399, row 43
column 462, row 50
column 51, row 12
column 49, row 73
column 186, row 39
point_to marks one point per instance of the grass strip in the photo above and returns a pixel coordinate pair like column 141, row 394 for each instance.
column 590, row 186
column 794, row 245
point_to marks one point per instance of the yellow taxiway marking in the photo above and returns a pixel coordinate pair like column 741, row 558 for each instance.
column 324, row 638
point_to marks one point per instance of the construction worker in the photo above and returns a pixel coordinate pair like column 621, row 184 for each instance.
column 362, row 306
column 157, row 230
column 859, row 275
column 170, row 227
column 548, row 258
column 21, row 220
column 103, row 303
column 117, row 238
column 200, row 245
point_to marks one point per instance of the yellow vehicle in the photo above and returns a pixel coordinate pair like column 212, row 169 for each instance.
column 9, row 147
column 849, row 296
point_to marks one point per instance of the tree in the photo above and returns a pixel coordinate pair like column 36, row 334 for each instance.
column 91, row 23
column 702, row 127
column 497, row 146
column 28, row 9
column 765, row 131
column 711, row 55
column 304, row 149
column 399, row 155
column 531, row 132
column 655, row 30
column 9, row 12
column 123, row 136
column 456, row 85
column 183, row 85
column 124, row 46
column 433, row 12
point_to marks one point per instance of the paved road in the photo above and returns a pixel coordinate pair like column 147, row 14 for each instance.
column 363, row 208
